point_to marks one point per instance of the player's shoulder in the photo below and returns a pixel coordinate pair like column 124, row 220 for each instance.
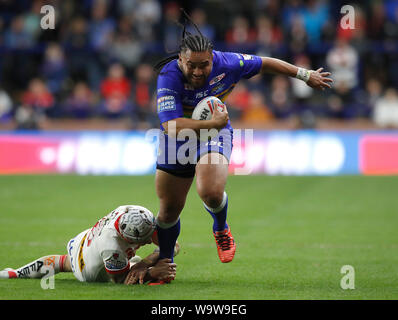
column 108, row 235
column 225, row 58
column 170, row 73
column 232, row 58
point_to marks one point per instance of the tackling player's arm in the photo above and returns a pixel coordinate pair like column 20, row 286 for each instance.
column 150, row 268
column 315, row 79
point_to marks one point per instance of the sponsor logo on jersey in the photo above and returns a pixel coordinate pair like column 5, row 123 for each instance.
column 113, row 263
column 202, row 94
column 217, row 79
column 218, row 88
column 247, row 56
column 161, row 90
column 166, row 103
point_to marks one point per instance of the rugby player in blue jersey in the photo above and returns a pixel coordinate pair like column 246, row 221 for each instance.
column 196, row 72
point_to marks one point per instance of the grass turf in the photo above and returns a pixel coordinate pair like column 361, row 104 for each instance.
column 293, row 236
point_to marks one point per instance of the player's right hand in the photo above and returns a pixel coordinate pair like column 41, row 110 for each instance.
column 220, row 118
column 164, row 269
column 136, row 273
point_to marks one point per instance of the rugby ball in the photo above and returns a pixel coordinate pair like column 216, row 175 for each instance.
column 204, row 109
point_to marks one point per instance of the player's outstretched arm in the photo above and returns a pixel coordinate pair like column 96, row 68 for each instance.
column 163, row 269
column 316, row 79
column 140, row 272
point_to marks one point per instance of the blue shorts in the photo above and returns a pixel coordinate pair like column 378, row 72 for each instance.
column 179, row 158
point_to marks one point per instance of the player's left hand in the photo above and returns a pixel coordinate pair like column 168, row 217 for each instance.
column 320, row 80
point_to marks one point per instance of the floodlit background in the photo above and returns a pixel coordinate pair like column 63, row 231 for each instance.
column 93, row 72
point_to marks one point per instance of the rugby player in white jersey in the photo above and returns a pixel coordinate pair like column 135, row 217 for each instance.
column 107, row 252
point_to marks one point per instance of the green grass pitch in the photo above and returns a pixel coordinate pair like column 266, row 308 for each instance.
column 293, row 236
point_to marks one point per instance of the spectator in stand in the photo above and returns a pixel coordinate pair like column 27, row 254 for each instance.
column 126, row 7
column 199, row 17
column 297, row 37
column 240, row 35
column 391, row 8
column 116, row 90
column 143, row 92
column 125, row 46
column 5, row 106
column 171, row 31
column 343, row 61
column 32, row 19
column 291, row 9
column 38, row 97
column 18, row 64
column 81, row 103
column 385, row 112
column 54, row 69
column 365, row 99
column 16, row 36
column 257, row 111
column 76, row 44
column 377, row 19
column 269, row 36
column 146, row 16
column 281, row 102
column 374, row 90
column 37, row 104
column 101, row 27
column 334, row 107
column 301, row 92
column 101, row 32
column 238, row 101
column 315, row 15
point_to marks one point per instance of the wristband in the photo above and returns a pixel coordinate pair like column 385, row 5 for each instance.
column 303, row 74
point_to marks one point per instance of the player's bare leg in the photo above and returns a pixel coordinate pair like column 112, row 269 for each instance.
column 211, row 178
column 172, row 193
column 33, row 270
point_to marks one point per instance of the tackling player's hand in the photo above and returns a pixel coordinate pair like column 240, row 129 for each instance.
column 220, row 118
column 163, row 270
column 136, row 273
column 319, row 79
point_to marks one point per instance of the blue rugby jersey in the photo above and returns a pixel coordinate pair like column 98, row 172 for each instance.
column 177, row 99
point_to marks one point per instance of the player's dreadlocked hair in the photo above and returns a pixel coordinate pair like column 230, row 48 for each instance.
column 195, row 43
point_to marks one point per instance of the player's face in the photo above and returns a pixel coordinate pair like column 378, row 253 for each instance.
column 196, row 66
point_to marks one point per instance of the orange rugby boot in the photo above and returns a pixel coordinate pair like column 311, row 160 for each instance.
column 225, row 245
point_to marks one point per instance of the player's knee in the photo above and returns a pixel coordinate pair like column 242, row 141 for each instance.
column 212, row 197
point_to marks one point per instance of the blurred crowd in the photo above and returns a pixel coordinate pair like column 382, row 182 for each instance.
column 98, row 61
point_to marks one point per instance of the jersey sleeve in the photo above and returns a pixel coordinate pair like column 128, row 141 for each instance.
column 169, row 105
column 115, row 261
column 245, row 65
